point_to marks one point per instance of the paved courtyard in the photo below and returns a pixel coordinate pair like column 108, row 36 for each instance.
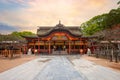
column 60, row 68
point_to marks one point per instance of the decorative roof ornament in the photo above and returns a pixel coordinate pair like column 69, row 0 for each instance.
column 59, row 21
column 59, row 25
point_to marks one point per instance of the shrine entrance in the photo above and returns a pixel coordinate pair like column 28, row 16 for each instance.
column 58, row 38
column 59, row 41
column 59, row 47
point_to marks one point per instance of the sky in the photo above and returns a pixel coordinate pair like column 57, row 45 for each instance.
column 27, row 15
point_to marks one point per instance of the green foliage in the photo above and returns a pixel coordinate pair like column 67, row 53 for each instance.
column 24, row 33
column 15, row 36
column 7, row 37
column 101, row 22
column 95, row 24
column 113, row 17
column 118, row 2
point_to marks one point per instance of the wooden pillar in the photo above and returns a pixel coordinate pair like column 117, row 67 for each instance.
column 49, row 47
column 80, row 47
column 69, row 47
column 27, row 46
column 24, row 49
column 118, row 45
column 34, row 47
column 54, row 47
column 54, row 42
column 38, row 45
column 74, row 46
column 84, row 46
column 64, row 46
column 44, row 45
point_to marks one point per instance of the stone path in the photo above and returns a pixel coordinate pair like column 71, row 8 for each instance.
column 95, row 72
column 59, row 69
column 25, row 71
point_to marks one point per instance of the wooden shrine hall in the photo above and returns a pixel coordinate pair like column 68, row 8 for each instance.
column 49, row 40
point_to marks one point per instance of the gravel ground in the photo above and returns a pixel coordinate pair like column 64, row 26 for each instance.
column 6, row 63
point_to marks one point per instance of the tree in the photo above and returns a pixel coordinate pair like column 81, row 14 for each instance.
column 118, row 3
column 15, row 36
column 101, row 22
column 113, row 17
column 95, row 24
column 103, row 26
column 24, row 33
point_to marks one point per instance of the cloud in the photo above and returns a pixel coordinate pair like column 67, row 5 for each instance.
column 27, row 14
column 4, row 28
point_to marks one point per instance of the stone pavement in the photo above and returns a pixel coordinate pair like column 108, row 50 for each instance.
column 25, row 71
column 60, row 68
column 95, row 72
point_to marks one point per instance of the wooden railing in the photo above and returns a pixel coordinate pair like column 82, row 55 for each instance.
column 111, row 55
column 10, row 53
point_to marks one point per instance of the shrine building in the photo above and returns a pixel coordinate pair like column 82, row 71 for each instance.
column 67, row 39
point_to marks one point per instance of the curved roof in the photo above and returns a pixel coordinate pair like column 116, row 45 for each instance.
column 72, row 30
